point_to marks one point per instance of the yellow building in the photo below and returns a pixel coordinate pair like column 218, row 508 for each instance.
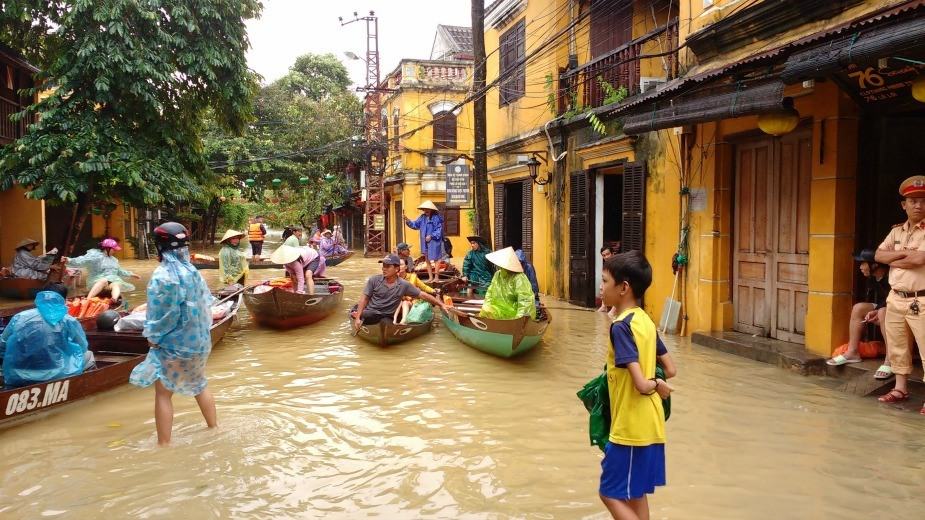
column 421, row 92
column 564, row 185
column 776, row 155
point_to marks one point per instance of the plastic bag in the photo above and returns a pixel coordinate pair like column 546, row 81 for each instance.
column 596, row 398
column 131, row 322
column 421, row 312
column 509, row 296
column 866, row 349
column 220, row 311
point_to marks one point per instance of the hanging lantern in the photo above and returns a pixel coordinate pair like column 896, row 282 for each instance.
column 222, row 199
column 329, row 177
column 303, row 181
column 779, row 123
column 249, row 183
column 918, row 89
column 277, row 182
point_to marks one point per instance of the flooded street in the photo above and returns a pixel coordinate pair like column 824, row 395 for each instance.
column 317, row 424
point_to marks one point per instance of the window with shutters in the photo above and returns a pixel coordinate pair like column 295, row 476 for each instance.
column 499, row 215
column 450, row 220
column 634, row 207
column 611, row 25
column 395, row 130
column 512, row 47
column 527, row 229
column 445, row 131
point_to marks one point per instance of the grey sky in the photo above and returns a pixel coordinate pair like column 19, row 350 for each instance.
column 289, row 28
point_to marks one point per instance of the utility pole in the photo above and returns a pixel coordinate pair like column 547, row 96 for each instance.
column 375, row 148
column 483, row 221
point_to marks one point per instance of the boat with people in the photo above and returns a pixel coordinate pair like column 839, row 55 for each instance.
column 201, row 262
column 386, row 333
column 132, row 341
column 331, row 261
column 274, row 303
column 20, row 288
column 502, row 338
column 86, row 310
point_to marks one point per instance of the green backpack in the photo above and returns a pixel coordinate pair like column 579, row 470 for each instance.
column 595, row 395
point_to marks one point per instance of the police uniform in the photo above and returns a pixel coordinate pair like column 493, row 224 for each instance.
column 905, row 306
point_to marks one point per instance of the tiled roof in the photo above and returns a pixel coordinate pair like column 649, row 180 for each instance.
column 459, row 37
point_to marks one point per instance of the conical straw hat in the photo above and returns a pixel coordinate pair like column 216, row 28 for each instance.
column 26, row 242
column 505, row 258
column 428, row 205
column 285, row 254
column 231, row 234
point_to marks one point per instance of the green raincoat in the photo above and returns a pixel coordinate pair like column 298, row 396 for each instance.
column 232, row 264
column 478, row 269
column 509, row 296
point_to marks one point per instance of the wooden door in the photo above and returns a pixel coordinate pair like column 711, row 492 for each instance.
column 753, row 237
column 399, row 223
column 582, row 289
column 527, row 229
column 634, row 208
column 499, row 215
column 791, row 244
column 771, row 257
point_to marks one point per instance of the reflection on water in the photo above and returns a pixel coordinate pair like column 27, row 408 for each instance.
column 315, row 423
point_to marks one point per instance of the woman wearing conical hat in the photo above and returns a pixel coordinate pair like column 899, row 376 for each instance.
column 430, row 224
column 232, row 260
column 27, row 265
column 302, row 264
column 510, row 295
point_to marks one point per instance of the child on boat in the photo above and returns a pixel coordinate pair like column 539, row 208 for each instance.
column 634, row 457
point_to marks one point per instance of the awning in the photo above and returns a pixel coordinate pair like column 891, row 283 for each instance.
column 861, row 46
column 744, row 100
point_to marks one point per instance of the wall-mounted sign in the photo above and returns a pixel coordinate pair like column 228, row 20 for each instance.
column 378, row 223
column 457, row 185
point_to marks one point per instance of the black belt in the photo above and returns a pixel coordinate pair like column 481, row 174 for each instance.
column 913, row 294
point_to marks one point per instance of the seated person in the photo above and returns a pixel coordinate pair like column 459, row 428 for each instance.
column 530, row 273
column 871, row 310
column 26, row 265
column 401, row 313
column 476, row 269
column 43, row 343
column 404, row 253
column 103, row 270
column 510, row 295
column 302, row 264
column 384, row 292
column 328, row 246
column 292, row 236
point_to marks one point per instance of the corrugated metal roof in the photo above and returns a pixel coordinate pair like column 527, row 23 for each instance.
column 771, row 55
column 459, row 37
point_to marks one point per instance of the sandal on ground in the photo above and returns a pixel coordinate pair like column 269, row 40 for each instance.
column 894, row 396
column 922, row 411
column 884, row 372
column 840, row 360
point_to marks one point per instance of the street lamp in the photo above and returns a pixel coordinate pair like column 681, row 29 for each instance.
column 352, row 55
column 534, row 167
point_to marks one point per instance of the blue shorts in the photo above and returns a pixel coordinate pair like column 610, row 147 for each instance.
column 629, row 472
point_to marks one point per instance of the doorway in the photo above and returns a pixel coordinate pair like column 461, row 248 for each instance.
column 608, row 213
column 399, row 224
column 513, row 215
column 771, row 255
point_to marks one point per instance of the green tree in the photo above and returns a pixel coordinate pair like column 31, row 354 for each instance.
column 305, row 122
column 130, row 81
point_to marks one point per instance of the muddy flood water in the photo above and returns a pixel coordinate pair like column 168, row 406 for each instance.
column 315, row 423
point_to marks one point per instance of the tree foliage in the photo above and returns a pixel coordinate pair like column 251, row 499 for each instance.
column 304, row 128
column 129, row 81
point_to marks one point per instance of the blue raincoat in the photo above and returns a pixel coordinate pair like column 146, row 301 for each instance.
column 432, row 226
column 101, row 266
column 42, row 344
column 177, row 324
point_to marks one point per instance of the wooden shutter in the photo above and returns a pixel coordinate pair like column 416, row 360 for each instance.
column 499, row 215
column 512, row 50
column 611, row 25
column 581, row 286
column 445, row 131
column 451, row 222
column 399, row 222
column 634, row 207
column 527, row 233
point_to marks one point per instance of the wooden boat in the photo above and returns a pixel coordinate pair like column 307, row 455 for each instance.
column 88, row 323
column 331, row 261
column 386, row 333
column 20, row 288
column 503, row 338
column 283, row 309
column 205, row 264
column 133, row 342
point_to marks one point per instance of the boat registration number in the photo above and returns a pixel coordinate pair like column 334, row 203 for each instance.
column 37, row 397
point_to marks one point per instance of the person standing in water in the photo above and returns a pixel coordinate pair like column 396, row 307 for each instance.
column 177, row 327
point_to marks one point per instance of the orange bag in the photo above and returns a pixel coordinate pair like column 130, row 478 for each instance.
column 867, row 349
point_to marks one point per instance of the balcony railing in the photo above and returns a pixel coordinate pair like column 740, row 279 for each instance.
column 11, row 130
column 584, row 86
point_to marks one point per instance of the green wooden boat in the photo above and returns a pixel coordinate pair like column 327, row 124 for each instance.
column 502, row 338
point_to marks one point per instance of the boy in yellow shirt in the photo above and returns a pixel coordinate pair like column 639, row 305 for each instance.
column 634, row 459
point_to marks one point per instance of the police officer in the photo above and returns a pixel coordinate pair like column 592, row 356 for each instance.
column 904, row 251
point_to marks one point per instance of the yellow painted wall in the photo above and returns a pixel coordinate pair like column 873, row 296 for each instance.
column 116, row 229
column 19, row 218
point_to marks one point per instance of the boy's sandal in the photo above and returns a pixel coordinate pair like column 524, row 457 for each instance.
column 894, row 396
column 884, row 372
column 922, row 411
